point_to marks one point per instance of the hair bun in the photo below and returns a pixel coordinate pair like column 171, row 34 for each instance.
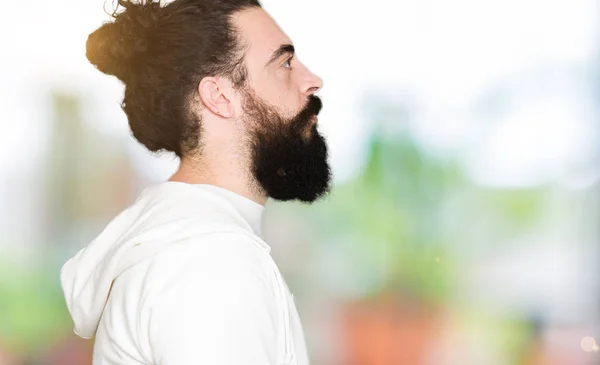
column 117, row 47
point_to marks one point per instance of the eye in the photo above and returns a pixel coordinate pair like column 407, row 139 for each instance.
column 288, row 63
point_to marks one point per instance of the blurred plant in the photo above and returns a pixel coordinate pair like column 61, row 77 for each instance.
column 32, row 308
column 402, row 222
column 395, row 218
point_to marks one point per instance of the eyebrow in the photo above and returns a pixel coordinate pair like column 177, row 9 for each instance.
column 283, row 49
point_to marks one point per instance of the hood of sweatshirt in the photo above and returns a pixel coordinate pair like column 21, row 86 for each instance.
column 162, row 215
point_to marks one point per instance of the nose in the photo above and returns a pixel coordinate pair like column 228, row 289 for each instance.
column 312, row 83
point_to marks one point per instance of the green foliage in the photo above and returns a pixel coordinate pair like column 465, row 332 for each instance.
column 394, row 210
column 519, row 208
column 32, row 308
column 407, row 212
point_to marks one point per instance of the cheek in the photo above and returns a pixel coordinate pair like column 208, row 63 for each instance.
column 281, row 91
column 276, row 88
column 289, row 95
column 286, row 98
column 291, row 104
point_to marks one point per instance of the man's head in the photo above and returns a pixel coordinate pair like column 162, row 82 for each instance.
column 199, row 73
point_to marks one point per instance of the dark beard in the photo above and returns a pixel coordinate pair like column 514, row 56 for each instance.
column 288, row 156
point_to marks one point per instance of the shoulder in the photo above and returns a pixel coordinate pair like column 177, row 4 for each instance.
column 194, row 289
column 217, row 293
column 226, row 262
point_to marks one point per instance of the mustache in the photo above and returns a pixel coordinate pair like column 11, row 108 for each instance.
column 313, row 108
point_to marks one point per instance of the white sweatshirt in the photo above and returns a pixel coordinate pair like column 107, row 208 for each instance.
column 183, row 277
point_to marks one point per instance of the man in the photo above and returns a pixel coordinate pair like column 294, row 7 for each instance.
column 182, row 276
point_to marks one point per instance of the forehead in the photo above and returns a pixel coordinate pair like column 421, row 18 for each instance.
column 260, row 33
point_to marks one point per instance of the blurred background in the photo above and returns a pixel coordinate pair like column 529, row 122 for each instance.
column 465, row 143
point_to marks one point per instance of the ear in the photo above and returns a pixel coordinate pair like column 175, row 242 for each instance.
column 214, row 97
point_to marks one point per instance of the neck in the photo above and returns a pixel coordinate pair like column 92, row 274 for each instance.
column 221, row 172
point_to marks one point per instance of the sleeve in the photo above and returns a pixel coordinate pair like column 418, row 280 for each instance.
column 219, row 309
